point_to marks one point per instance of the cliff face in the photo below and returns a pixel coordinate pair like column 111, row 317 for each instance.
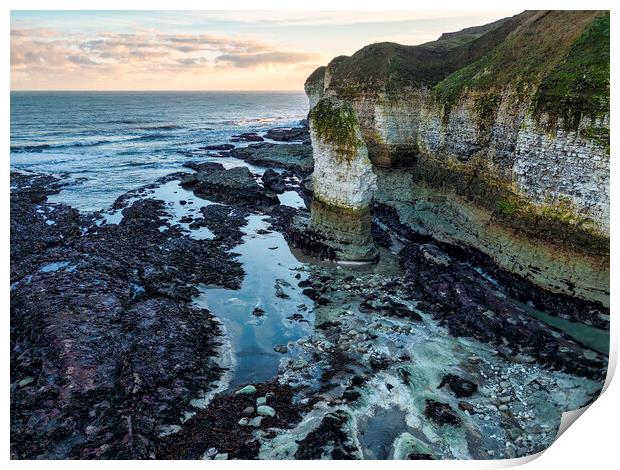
column 496, row 137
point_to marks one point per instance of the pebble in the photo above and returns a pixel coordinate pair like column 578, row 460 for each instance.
column 26, row 381
column 503, row 407
column 260, row 401
column 247, row 390
column 463, row 405
column 212, row 452
column 244, row 421
column 256, row 422
column 280, row 348
column 299, row 364
column 221, row 457
column 505, row 399
column 249, row 411
column 265, row 410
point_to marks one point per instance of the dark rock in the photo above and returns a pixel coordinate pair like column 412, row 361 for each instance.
column 288, row 134
column 217, row 426
column 205, row 166
column 225, row 222
column 124, row 349
column 441, row 413
column 460, row 387
column 331, row 439
column 296, row 317
column 246, row 137
column 463, row 405
column 218, row 147
column 235, row 185
column 295, row 157
column 471, row 305
column 274, row 181
column 378, row 362
column 390, row 308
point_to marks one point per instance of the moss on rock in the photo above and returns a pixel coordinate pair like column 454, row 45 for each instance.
column 335, row 123
column 556, row 221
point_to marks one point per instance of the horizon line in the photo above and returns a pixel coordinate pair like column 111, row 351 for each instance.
column 166, row 90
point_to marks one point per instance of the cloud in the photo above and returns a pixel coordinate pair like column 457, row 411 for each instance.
column 266, row 58
column 41, row 49
column 185, row 42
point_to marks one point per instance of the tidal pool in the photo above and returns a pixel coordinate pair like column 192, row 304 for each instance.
column 268, row 262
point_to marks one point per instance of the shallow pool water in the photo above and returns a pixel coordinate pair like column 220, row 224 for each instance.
column 267, row 260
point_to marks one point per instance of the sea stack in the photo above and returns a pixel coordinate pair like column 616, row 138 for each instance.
column 344, row 183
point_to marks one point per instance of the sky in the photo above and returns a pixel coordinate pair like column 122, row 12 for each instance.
column 205, row 50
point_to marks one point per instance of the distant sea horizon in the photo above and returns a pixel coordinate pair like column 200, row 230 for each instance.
column 157, row 91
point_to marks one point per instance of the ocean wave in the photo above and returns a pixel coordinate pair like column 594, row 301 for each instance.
column 164, row 127
column 245, row 122
column 124, row 121
column 30, row 148
column 148, row 138
column 42, row 147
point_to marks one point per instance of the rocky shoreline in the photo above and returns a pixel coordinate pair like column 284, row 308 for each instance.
column 419, row 356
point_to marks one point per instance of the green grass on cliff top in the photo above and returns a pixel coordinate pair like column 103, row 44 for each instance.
column 392, row 67
column 578, row 85
column 566, row 52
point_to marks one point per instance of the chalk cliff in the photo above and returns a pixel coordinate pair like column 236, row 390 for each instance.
column 494, row 138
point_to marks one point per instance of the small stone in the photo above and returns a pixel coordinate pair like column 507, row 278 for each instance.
column 265, row 410
column 503, row 407
column 249, row 411
column 221, row 457
column 504, row 384
column 247, row 390
column 505, row 399
column 210, row 453
column 299, row 364
column 25, row 382
column 244, row 421
column 256, row 422
column 463, row 405
column 280, row 348
column 261, row 401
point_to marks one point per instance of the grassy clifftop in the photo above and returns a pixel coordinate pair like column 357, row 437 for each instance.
column 579, row 84
column 560, row 56
column 556, row 60
column 391, row 67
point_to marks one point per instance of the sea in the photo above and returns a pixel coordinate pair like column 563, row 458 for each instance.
column 113, row 142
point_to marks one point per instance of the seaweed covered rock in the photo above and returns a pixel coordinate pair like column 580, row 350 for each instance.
column 235, row 185
column 107, row 349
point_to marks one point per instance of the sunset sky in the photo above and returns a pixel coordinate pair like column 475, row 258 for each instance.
column 204, row 50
